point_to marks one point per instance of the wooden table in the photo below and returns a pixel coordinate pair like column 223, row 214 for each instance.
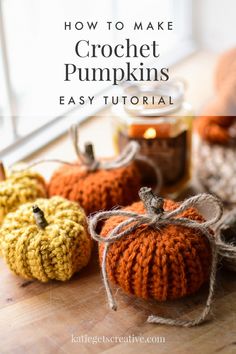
column 42, row 318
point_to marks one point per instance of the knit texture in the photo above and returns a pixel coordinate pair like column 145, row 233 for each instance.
column 20, row 187
column 56, row 252
column 96, row 190
column 216, row 169
column 166, row 264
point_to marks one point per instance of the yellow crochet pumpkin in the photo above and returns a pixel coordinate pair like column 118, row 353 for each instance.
column 46, row 240
column 18, row 188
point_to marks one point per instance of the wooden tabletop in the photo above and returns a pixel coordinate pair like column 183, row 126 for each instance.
column 49, row 318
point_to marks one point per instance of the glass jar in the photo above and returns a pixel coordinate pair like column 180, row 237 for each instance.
column 158, row 118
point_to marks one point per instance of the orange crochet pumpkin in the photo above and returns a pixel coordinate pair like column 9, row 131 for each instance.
column 100, row 185
column 96, row 190
column 218, row 117
column 166, row 264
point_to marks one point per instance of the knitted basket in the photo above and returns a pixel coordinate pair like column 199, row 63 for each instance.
column 169, row 263
column 216, row 169
column 48, row 242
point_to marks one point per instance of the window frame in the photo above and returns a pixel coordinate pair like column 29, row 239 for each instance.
column 22, row 147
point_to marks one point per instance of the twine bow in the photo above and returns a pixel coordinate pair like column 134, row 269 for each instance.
column 156, row 217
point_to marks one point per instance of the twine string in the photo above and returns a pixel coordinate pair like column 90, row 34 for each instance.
column 75, row 137
column 125, row 158
column 129, row 154
column 88, row 160
column 156, row 218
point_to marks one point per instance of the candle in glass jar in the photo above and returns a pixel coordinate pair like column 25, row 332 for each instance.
column 163, row 132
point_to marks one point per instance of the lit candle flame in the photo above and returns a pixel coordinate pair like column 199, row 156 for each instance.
column 150, row 133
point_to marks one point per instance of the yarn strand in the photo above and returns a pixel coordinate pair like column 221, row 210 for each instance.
column 129, row 154
column 39, row 162
column 88, row 160
column 156, row 218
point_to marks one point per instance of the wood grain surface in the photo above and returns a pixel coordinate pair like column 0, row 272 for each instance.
column 43, row 318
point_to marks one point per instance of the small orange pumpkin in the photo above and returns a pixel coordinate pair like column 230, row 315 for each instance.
column 97, row 185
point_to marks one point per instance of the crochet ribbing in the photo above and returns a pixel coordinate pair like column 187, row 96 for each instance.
column 96, row 190
column 166, row 264
column 19, row 188
column 216, row 169
column 59, row 250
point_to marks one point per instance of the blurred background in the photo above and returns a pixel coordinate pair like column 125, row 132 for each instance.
column 34, row 48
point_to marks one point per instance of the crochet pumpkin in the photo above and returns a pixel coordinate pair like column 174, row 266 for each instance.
column 96, row 190
column 215, row 124
column 159, row 249
column 163, row 264
column 48, row 240
column 97, row 185
column 18, row 188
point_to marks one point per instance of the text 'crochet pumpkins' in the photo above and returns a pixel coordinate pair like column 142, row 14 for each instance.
column 48, row 240
column 19, row 187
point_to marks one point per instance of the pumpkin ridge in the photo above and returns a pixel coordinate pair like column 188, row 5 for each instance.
column 162, row 264
column 54, row 251
column 96, row 190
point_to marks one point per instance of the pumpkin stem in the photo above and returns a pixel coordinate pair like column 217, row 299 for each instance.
column 2, row 172
column 39, row 217
column 152, row 203
column 89, row 152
